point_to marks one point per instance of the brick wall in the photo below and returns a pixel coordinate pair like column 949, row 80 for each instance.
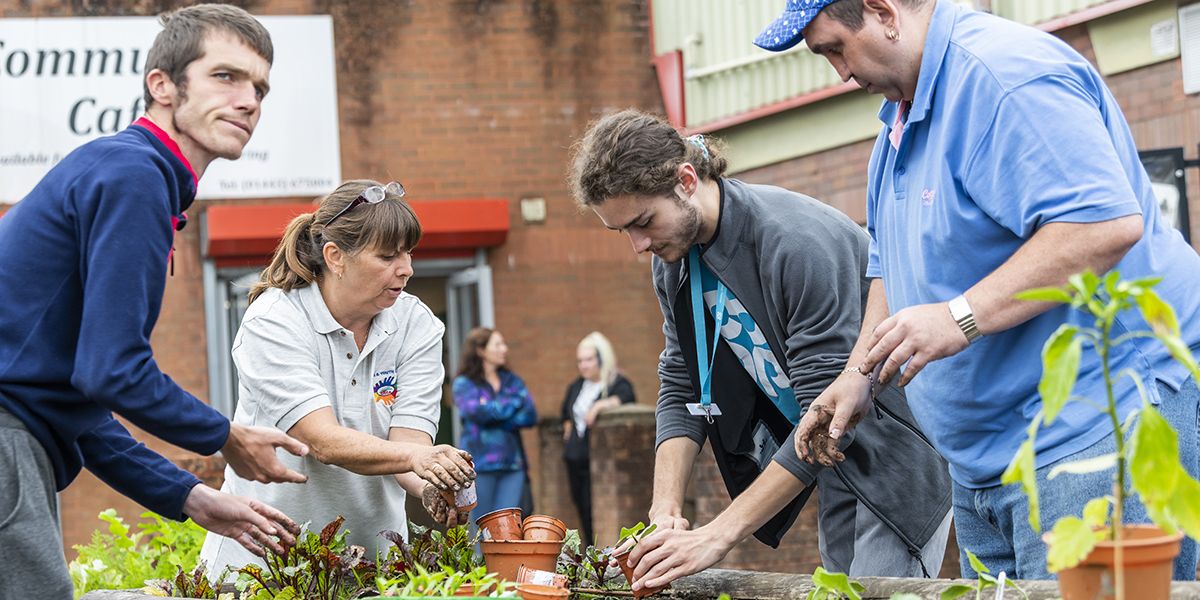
column 458, row 99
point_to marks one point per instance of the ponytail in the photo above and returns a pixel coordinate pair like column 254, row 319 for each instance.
column 297, row 260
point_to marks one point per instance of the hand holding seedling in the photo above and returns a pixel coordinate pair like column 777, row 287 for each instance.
column 254, row 525
column 250, row 451
column 444, row 466
column 668, row 555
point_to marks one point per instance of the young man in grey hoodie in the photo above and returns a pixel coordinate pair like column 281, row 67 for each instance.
column 781, row 276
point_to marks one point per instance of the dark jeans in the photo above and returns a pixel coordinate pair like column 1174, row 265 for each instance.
column 579, row 477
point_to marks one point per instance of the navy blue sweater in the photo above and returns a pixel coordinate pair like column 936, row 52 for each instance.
column 83, row 265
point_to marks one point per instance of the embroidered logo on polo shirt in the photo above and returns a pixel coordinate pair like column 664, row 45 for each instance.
column 927, row 197
column 385, row 387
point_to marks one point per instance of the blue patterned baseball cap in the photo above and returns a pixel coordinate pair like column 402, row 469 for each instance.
column 788, row 30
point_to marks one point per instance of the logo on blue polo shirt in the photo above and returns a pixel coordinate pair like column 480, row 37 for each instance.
column 927, row 196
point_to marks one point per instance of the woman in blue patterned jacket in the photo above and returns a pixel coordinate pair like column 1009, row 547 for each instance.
column 495, row 405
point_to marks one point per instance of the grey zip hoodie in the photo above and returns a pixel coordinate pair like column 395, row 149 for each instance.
column 798, row 266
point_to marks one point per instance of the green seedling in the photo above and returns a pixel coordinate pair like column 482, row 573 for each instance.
column 1146, row 445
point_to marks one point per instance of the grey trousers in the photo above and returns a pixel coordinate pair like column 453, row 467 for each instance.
column 852, row 540
column 32, row 563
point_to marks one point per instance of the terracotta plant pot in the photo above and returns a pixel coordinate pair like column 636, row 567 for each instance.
column 627, row 569
column 1147, row 553
column 463, row 500
column 501, row 525
column 505, row 557
column 538, row 577
column 532, row 591
column 543, row 528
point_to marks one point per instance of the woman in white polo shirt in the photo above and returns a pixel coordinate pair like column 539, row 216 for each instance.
column 334, row 352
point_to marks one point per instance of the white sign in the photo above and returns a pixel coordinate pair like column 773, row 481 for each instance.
column 64, row 82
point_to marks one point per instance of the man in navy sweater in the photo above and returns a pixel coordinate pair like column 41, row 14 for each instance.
column 85, row 259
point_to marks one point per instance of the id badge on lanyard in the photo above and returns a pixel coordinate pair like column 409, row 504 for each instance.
column 704, row 360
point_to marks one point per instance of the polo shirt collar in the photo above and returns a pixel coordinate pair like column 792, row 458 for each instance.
column 937, row 42
column 323, row 321
column 314, row 304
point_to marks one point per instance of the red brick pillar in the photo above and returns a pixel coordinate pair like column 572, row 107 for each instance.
column 622, row 453
column 551, row 496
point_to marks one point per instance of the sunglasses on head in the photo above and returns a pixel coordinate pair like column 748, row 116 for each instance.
column 372, row 195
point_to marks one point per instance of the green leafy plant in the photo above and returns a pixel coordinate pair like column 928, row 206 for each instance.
column 446, row 583
column 833, row 586
column 634, row 534
column 127, row 556
column 195, row 584
column 318, row 567
column 984, row 580
column 1150, row 451
column 429, row 549
column 590, row 568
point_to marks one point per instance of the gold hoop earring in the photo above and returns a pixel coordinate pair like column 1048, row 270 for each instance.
column 893, row 35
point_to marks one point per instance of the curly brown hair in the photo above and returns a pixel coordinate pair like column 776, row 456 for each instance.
column 636, row 153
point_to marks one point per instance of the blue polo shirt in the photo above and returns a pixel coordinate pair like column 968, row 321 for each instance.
column 1011, row 129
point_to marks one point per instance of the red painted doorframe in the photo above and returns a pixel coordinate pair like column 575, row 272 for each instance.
column 246, row 234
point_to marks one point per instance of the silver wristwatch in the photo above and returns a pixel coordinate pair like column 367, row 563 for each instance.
column 960, row 311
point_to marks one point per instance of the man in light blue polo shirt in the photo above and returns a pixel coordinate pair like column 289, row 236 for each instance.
column 1004, row 163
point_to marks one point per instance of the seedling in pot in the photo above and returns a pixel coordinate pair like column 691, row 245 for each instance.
column 633, row 535
column 1146, row 444
column 630, row 536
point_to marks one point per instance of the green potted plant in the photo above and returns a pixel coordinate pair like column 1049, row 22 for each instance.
column 629, row 538
column 1096, row 547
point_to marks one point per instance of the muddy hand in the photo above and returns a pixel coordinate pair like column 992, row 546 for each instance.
column 437, row 507
column 444, row 466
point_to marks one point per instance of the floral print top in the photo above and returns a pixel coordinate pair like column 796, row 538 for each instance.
column 492, row 420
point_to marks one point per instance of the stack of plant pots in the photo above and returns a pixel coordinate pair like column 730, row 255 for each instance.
column 508, row 545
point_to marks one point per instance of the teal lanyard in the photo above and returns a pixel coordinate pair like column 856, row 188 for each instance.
column 704, row 360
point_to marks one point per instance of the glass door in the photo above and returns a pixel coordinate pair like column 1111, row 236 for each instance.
column 468, row 305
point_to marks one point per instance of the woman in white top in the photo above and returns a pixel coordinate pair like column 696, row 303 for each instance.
column 598, row 388
column 334, row 352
